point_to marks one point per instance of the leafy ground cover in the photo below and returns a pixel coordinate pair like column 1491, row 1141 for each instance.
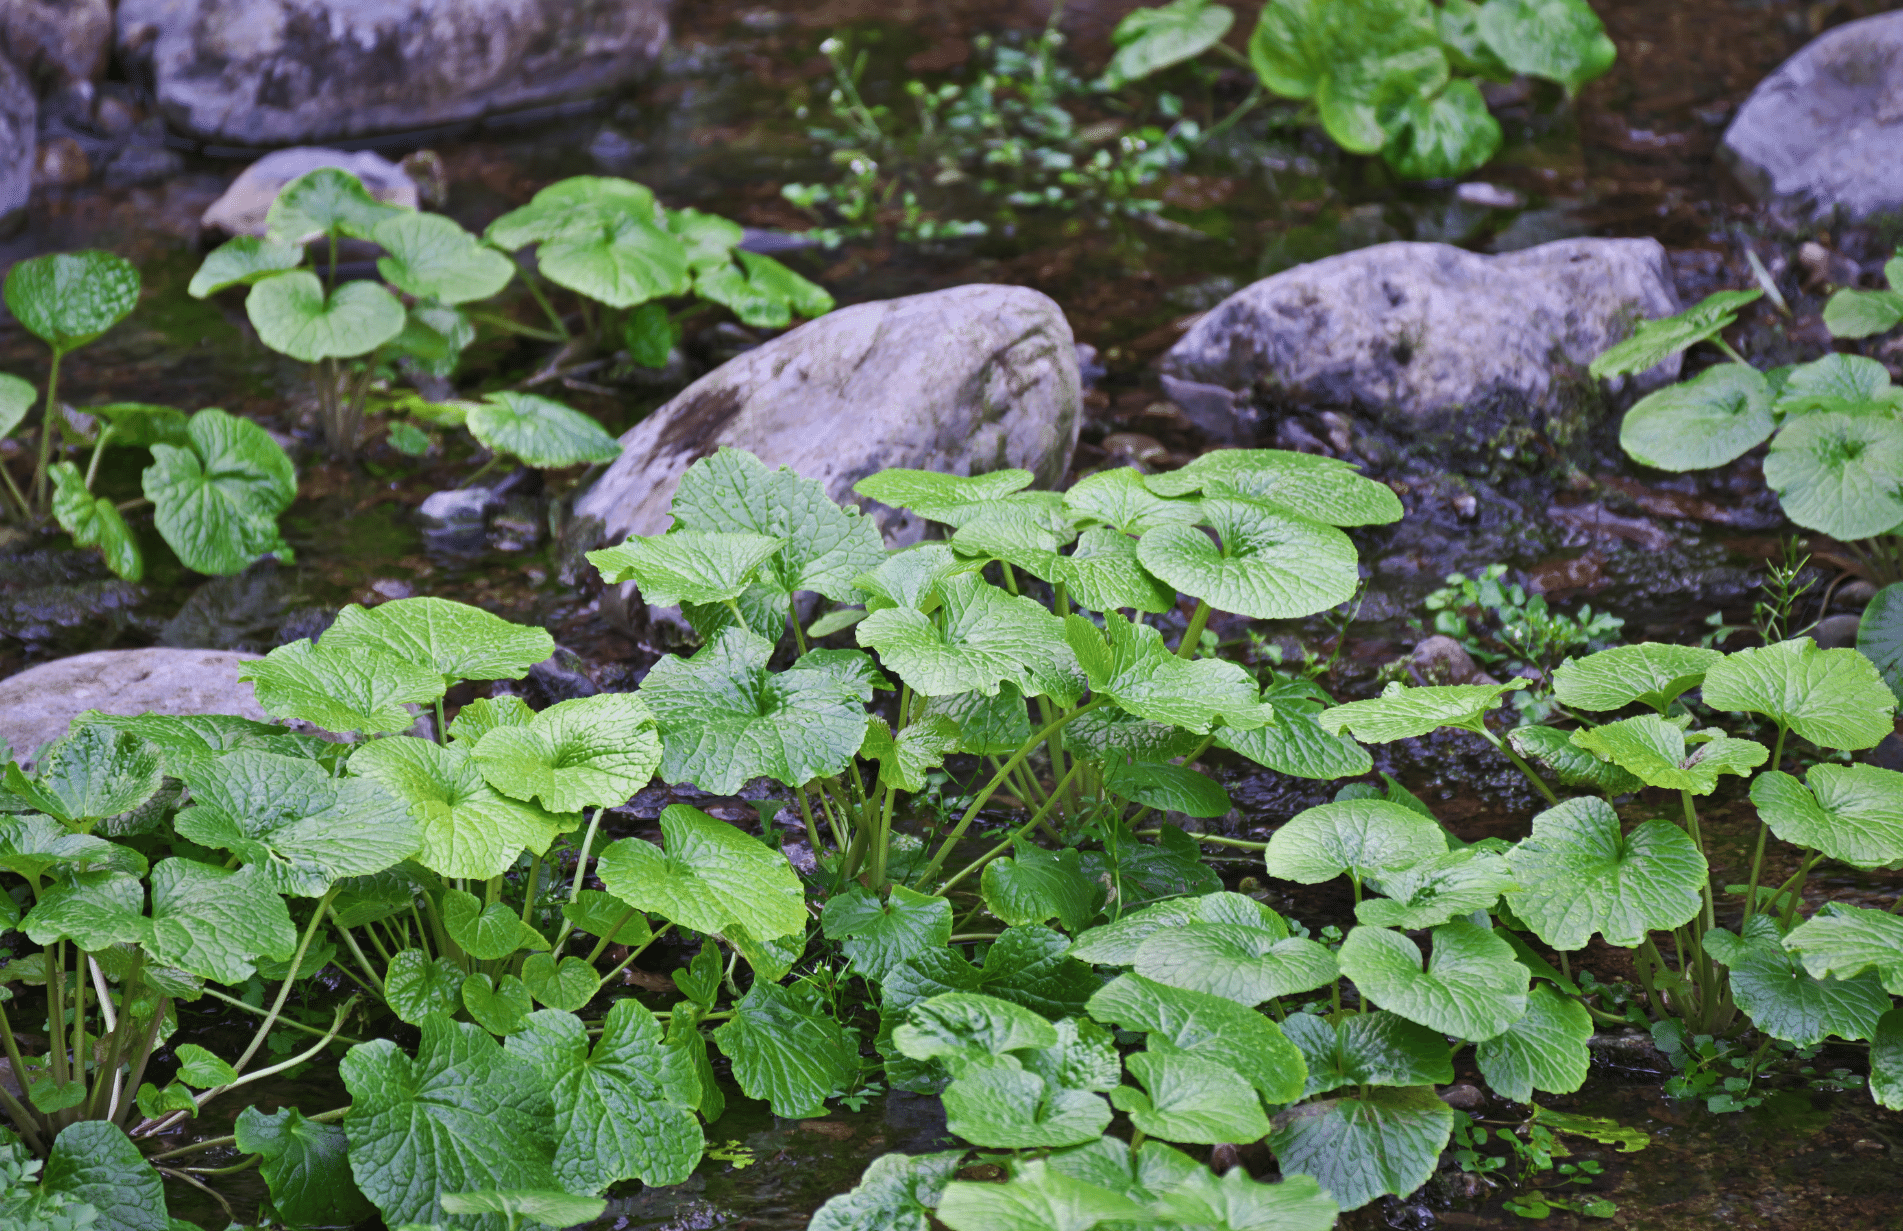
column 1096, row 1013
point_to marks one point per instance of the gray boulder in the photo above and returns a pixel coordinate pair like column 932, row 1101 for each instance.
column 1426, row 338
column 963, row 381
column 19, row 121
column 241, row 211
column 282, row 72
column 38, row 705
column 1825, row 131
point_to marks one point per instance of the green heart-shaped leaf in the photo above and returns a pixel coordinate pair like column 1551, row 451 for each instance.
column 1246, row 964
column 1844, row 941
column 294, row 316
column 1187, row 1099
column 1664, row 754
column 1852, row 813
column 1208, row 1027
column 1472, row 986
column 947, row 498
column 1437, row 889
column 620, row 261
column 1833, row 698
column 1401, row 712
column 1449, row 134
column 580, row 203
column 1544, row 1050
column 540, row 431
column 455, row 639
column 1783, row 999
column 1151, row 39
column 1388, row 1140
column 687, row 566
column 1362, row 837
column 415, row 987
column 486, row 933
column 1716, row 417
column 1271, row 564
column 1560, row 40
column 586, row 752
column 711, row 876
column 1129, row 664
column 1839, row 473
column 356, row 690
column 785, row 1052
column 879, row 935
column 1369, row 1049
column 1168, row 788
column 1652, row 673
column 725, row 718
column 433, row 258
column 306, row 1167
column 501, row 1007
column 69, row 298
column 624, row 1110
column 983, row 639
column 1039, row 885
column 1578, row 874
column 325, row 201
column 468, row 828
column 241, row 261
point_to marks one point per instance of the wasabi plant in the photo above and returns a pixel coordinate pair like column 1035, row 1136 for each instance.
column 1836, row 453
column 607, row 240
column 438, row 901
column 216, row 483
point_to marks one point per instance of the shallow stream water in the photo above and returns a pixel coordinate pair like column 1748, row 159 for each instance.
column 717, row 129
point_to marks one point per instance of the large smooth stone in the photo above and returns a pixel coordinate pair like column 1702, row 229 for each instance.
column 283, row 72
column 19, row 121
column 1423, row 337
column 963, row 381
column 1825, row 131
column 242, row 210
column 39, row 704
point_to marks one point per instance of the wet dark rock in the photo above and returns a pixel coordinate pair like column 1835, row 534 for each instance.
column 58, row 42
column 38, row 705
column 1836, row 632
column 562, row 676
column 454, row 522
column 965, row 381
column 139, row 164
column 1629, row 1049
column 244, row 612
column 1464, row 1096
column 1442, row 660
column 1821, row 133
column 242, row 209
column 277, row 72
column 19, row 126
column 1886, row 755
column 60, row 602
column 519, row 524
column 1855, row 594
column 1442, row 344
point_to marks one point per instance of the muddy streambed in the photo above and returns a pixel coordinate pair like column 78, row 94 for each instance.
column 719, row 128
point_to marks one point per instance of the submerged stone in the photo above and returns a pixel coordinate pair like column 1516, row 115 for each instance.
column 1428, row 339
column 241, row 211
column 19, row 121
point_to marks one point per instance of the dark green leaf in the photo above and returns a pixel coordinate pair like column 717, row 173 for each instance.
column 305, row 1168
column 1387, row 1141
column 785, row 1052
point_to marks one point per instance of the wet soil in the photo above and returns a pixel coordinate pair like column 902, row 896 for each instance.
column 718, row 129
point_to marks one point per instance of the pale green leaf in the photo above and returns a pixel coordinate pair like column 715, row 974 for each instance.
column 1271, row 564
column 1362, row 837
column 459, row 641
column 1844, row 941
column 1317, row 487
column 1295, row 743
column 1167, row 788
column 988, row 638
column 710, row 876
column 94, row 1163
column 1833, row 698
column 1437, row 889
column 295, row 316
column 1009, row 1107
column 431, row 257
column 1116, row 943
column 1578, row 874
column 67, row 299
column 1208, row 1027
column 921, row 746
column 1152, row 39
column 325, row 201
column 359, row 690
column 577, row 204
column 1121, row 500
column 94, row 521
column 288, row 816
column 1852, row 813
column 1663, row 754
column 1128, row 664
column 540, row 431
column 216, row 504
column 468, row 828
column 1248, row 965
column 1655, row 341
column 687, row 566
column 1190, row 1100
column 947, row 498
column 215, row 923
column 1544, row 1050
column 586, row 752
column 1472, row 987
column 241, row 261
column 896, row 1193
column 1401, row 712
column 1652, row 673
column 486, row 933
column 416, row 987
column 1839, row 473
